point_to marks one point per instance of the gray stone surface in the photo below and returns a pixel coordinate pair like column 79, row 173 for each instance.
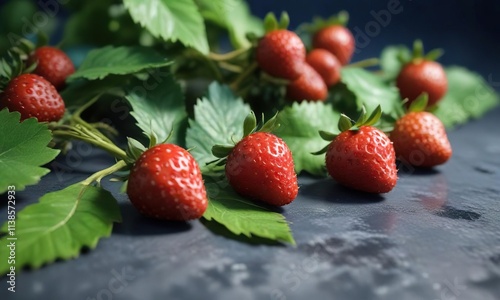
column 435, row 236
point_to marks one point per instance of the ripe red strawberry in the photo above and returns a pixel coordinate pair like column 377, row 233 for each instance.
column 420, row 139
column 53, row 65
column 261, row 167
column 326, row 64
column 309, row 86
column 338, row 40
column 281, row 53
column 363, row 159
column 166, row 183
column 33, row 96
column 419, row 76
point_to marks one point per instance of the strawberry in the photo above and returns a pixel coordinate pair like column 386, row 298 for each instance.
column 309, row 86
column 260, row 166
column 281, row 53
column 422, row 76
column 420, row 139
column 53, row 65
column 33, row 96
column 166, row 183
column 326, row 64
column 362, row 158
column 338, row 40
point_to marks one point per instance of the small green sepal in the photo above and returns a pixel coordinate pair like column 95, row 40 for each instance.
column 374, row 117
column 322, row 151
column 270, row 22
column 134, row 148
column 345, row 123
column 419, row 104
column 271, row 124
column 221, row 151
column 434, row 54
column 250, row 124
column 327, row 136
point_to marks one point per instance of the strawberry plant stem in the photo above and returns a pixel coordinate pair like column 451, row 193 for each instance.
column 227, row 56
column 370, row 62
column 108, row 147
column 230, row 67
column 234, row 86
column 103, row 173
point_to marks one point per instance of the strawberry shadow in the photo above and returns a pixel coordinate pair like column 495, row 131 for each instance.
column 221, row 230
column 135, row 224
column 330, row 191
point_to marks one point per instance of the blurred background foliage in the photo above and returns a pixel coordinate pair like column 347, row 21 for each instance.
column 468, row 30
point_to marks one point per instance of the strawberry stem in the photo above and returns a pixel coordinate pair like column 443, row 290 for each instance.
column 230, row 67
column 418, row 49
column 98, row 176
column 81, row 135
column 236, row 83
column 227, row 56
column 370, row 62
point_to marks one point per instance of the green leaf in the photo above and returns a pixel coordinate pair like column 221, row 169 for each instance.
column 23, row 149
column 218, row 119
column 235, row 16
column 299, row 128
column 391, row 60
column 102, row 62
column 160, row 111
column 469, row 96
column 370, row 91
column 171, row 20
column 110, row 20
column 241, row 216
column 61, row 224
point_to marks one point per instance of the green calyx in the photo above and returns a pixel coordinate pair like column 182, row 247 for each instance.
column 249, row 126
column 418, row 54
column 134, row 148
column 346, row 123
column 14, row 63
column 271, row 22
column 318, row 23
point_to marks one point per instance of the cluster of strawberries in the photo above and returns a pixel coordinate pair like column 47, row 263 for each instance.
column 167, row 183
column 34, row 93
column 281, row 53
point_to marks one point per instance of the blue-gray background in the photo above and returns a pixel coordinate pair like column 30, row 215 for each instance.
column 469, row 31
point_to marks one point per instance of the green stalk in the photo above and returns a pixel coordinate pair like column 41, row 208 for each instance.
column 235, row 85
column 103, row 173
column 108, row 147
column 370, row 62
column 227, row 56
